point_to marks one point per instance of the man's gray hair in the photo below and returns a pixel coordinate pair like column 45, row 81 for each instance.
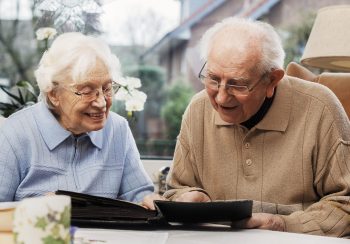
column 70, row 58
column 271, row 46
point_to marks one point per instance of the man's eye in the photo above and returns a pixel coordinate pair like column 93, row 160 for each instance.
column 236, row 82
column 212, row 82
column 239, row 88
column 86, row 91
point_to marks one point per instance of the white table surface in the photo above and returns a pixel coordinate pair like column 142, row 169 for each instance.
column 216, row 236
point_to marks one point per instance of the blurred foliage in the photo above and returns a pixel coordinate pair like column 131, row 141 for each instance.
column 156, row 147
column 79, row 16
column 297, row 36
column 22, row 95
column 21, row 52
column 177, row 99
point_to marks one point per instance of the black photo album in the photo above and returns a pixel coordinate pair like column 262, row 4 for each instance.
column 101, row 212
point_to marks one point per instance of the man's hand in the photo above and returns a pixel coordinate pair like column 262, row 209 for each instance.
column 148, row 200
column 261, row 221
column 193, row 196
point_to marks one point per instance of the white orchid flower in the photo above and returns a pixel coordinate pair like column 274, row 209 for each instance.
column 133, row 82
column 123, row 82
column 134, row 105
column 138, row 95
column 122, row 94
column 134, row 99
column 45, row 33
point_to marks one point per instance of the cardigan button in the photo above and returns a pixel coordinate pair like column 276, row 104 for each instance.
column 247, row 145
column 249, row 162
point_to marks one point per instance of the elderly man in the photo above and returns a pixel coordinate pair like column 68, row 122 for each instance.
column 257, row 134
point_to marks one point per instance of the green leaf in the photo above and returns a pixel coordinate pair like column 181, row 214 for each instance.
column 52, row 240
column 55, row 231
column 10, row 94
column 26, row 85
column 41, row 223
column 21, row 95
column 65, row 217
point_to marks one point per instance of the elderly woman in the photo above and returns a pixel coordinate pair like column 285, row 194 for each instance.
column 71, row 140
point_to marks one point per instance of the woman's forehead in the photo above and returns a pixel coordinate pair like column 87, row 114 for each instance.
column 99, row 71
column 93, row 82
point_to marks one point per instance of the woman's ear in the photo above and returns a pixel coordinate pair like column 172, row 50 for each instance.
column 275, row 77
column 53, row 97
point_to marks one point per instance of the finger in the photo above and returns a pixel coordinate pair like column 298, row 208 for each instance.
column 248, row 223
column 148, row 201
column 159, row 197
column 148, row 204
column 253, row 223
column 240, row 224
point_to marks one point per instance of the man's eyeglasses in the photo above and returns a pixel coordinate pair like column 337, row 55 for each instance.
column 89, row 95
column 237, row 90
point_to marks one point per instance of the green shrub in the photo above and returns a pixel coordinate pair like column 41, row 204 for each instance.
column 21, row 95
column 177, row 99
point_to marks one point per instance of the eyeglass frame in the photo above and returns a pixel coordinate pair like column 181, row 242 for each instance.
column 201, row 77
column 114, row 87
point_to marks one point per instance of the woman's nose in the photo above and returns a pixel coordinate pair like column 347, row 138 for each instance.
column 100, row 100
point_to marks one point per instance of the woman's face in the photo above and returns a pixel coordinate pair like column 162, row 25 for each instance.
column 80, row 113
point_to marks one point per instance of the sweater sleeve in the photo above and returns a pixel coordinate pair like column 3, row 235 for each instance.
column 331, row 215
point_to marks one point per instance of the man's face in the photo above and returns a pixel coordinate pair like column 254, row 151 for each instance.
column 233, row 64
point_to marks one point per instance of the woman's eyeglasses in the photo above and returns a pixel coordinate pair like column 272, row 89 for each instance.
column 89, row 95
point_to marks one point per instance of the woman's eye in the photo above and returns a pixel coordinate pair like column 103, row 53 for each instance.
column 109, row 88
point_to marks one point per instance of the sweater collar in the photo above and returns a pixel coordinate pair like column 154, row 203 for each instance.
column 53, row 133
column 277, row 117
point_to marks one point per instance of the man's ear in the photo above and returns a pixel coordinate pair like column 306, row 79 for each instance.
column 275, row 76
column 53, row 97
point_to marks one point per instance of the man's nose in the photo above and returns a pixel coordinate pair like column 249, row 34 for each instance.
column 222, row 96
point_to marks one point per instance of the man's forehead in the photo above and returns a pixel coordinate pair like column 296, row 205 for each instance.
column 233, row 60
column 235, row 41
column 241, row 66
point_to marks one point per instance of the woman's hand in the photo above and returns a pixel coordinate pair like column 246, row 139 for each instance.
column 148, row 200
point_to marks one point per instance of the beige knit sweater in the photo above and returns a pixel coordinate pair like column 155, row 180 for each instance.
column 295, row 162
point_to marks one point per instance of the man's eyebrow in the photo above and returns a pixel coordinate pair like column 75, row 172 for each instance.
column 212, row 74
column 239, row 79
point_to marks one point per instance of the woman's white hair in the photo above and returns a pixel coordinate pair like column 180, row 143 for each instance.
column 271, row 45
column 70, row 58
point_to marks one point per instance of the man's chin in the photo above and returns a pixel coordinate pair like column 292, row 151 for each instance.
column 229, row 119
